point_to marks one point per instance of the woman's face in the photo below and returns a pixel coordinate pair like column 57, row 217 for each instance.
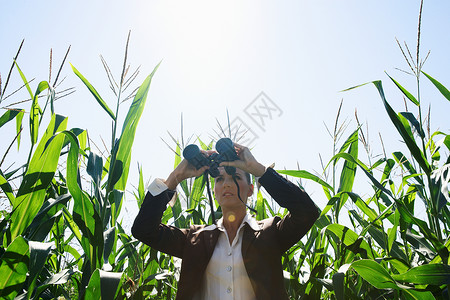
column 226, row 191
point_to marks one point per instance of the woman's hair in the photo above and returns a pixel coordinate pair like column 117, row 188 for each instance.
column 248, row 177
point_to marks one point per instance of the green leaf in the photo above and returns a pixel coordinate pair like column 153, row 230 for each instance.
column 93, row 290
column 35, row 111
column 14, row 268
column 43, row 221
column 122, row 157
column 141, row 188
column 38, row 257
column 410, row 143
column 72, row 225
column 42, row 167
column 8, row 116
column 115, row 199
column 306, row 175
column 399, row 264
column 109, row 236
column 84, row 213
column 7, row 189
column 95, row 167
column 404, row 163
column 405, row 92
column 374, row 274
column 444, row 91
column 354, row 242
column 110, row 283
column 366, row 209
column 198, row 188
column 413, row 121
column 94, row 93
column 392, row 232
column 434, row 274
column 56, row 279
column 121, row 160
column 410, row 294
column 375, row 182
column 339, row 281
column 348, row 172
column 24, row 79
column 19, row 119
column 260, row 207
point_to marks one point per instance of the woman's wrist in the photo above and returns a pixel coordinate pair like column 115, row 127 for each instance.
column 172, row 181
column 258, row 170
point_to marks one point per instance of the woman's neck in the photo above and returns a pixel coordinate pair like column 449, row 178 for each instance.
column 232, row 219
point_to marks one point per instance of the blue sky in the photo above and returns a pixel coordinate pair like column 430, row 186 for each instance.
column 218, row 56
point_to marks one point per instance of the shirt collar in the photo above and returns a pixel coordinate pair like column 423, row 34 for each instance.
column 251, row 221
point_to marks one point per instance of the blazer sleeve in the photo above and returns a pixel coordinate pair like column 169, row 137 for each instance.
column 302, row 210
column 147, row 226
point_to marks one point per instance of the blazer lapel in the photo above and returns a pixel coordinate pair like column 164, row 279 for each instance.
column 210, row 241
column 247, row 238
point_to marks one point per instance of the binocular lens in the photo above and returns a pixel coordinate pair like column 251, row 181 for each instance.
column 224, row 145
column 191, row 151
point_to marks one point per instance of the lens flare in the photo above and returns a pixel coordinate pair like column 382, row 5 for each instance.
column 231, row 217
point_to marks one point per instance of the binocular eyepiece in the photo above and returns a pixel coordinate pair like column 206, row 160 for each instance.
column 225, row 150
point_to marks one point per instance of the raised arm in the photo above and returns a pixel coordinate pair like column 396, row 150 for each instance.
column 147, row 226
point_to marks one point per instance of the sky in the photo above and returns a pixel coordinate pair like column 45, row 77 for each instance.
column 278, row 68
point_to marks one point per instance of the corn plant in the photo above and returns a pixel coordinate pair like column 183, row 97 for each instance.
column 58, row 238
column 389, row 252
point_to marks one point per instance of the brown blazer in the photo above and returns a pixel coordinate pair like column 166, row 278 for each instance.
column 261, row 250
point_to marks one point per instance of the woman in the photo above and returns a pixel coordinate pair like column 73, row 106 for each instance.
column 239, row 258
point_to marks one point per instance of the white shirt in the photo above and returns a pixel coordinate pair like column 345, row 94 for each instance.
column 225, row 276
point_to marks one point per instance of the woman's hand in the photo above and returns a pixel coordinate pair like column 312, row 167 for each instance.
column 183, row 171
column 246, row 162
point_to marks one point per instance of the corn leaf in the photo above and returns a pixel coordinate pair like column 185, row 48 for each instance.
column 8, row 116
column 42, row 167
column 93, row 290
column 35, row 111
column 444, row 91
column 38, row 256
column 392, row 232
column 19, row 119
column 348, row 172
column 24, row 79
column 84, row 213
column 109, row 235
column 110, row 283
column 374, row 274
column 404, row 163
column 197, row 191
column 13, row 268
column 94, row 93
column 339, row 282
column 410, row 143
column 413, row 121
column 411, row 294
column 352, row 240
column 43, row 221
column 121, row 160
column 434, row 274
column 306, row 175
column 260, row 207
column 375, row 182
column 7, row 189
column 71, row 224
column 405, row 92
column 56, row 279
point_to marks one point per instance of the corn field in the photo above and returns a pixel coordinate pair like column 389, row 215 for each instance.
column 62, row 235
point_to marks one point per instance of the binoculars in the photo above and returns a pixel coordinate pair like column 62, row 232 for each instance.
column 225, row 150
